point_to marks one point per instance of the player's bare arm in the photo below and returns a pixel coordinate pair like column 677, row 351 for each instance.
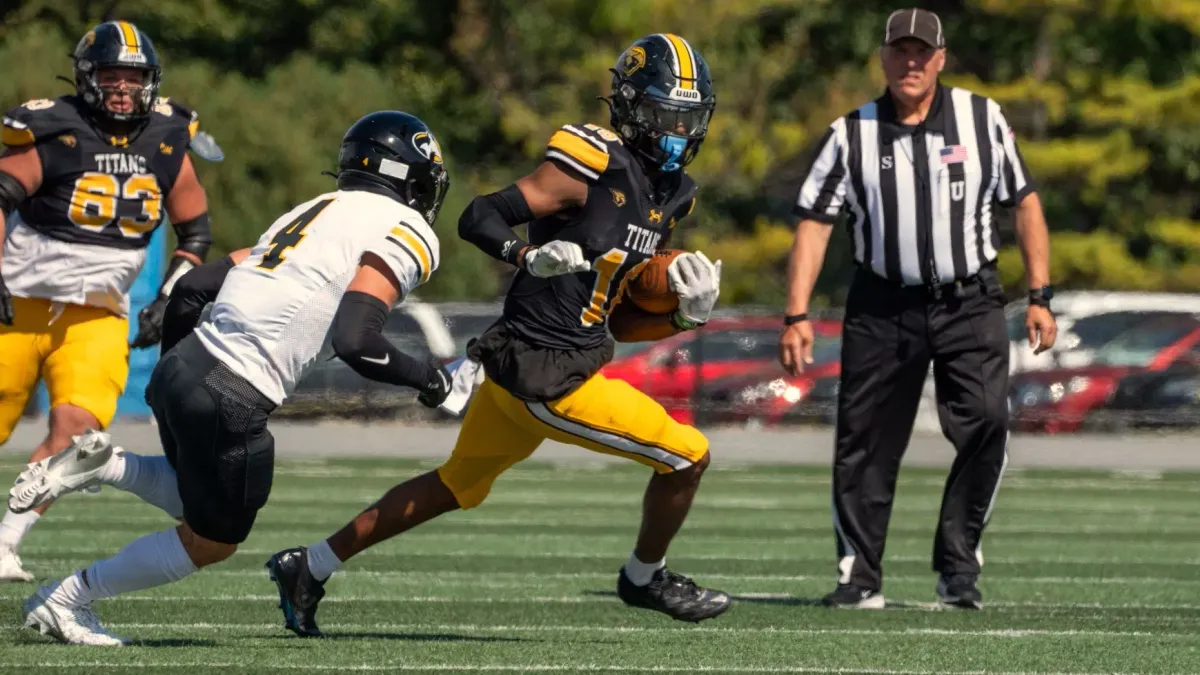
column 187, row 208
column 358, row 339
column 489, row 220
column 20, row 176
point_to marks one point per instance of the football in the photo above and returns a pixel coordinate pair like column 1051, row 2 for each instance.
column 650, row 290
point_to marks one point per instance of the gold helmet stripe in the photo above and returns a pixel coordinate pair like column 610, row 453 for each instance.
column 129, row 37
column 686, row 60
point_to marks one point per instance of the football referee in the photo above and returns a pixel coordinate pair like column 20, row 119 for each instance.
column 918, row 170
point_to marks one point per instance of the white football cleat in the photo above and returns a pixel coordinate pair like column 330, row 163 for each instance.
column 10, row 566
column 72, row 625
column 79, row 466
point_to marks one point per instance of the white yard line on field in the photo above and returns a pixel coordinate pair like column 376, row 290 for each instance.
column 766, row 630
column 580, row 599
column 522, row 579
column 549, row 668
column 55, row 553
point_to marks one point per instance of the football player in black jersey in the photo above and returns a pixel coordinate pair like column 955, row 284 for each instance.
column 84, row 182
column 598, row 207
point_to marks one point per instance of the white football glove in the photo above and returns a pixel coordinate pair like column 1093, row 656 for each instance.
column 697, row 282
column 555, row 258
column 466, row 375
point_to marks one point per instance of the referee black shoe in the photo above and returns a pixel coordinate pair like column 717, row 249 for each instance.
column 299, row 592
column 674, row 595
column 849, row 596
column 960, row 590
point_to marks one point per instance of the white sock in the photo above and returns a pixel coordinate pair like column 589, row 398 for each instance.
column 149, row 477
column 322, row 561
column 154, row 560
column 15, row 526
column 641, row 573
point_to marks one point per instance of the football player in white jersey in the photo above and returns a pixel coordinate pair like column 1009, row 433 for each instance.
column 325, row 273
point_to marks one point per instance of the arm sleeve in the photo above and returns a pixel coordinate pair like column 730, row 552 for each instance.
column 195, row 289
column 823, row 191
column 357, row 338
column 411, row 251
column 1015, row 181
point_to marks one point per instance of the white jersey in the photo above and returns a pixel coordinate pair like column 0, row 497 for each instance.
column 271, row 319
column 37, row 266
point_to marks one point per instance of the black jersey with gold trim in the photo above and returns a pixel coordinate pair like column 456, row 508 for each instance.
column 624, row 221
column 99, row 188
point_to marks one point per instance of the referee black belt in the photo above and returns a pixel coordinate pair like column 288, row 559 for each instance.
column 959, row 288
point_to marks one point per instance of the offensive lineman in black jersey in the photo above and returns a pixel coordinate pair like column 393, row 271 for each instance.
column 598, row 207
column 84, row 182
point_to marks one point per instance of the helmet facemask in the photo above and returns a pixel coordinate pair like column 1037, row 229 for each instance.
column 664, row 128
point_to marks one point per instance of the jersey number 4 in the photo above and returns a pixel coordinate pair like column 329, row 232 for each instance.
column 609, row 274
column 94, row 202
column 290, row 236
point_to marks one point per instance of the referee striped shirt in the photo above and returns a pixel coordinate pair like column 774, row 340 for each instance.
column 920, row 198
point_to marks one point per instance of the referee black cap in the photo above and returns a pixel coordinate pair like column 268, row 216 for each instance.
column 915, row 23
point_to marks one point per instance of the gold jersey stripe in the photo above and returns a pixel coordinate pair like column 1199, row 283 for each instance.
column 687, row 70
column 15, row 138
column 580, row 150
column 413, row 243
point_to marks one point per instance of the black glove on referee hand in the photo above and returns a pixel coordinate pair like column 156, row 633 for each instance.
column 150, row 321
column 438, row 388
column 6, row 308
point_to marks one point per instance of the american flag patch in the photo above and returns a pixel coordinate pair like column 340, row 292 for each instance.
column 953, row 154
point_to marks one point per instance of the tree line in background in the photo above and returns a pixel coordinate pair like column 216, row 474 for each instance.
column 1104, row 96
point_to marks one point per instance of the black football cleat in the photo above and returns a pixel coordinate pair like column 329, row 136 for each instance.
column 675, row 595
column 960, row 590
column 299, row 592
column 849, row 596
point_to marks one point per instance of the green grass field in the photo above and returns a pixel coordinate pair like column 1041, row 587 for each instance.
column 1086, row 573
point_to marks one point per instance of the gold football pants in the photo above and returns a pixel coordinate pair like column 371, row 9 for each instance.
column 602, row 415
column 81, row 352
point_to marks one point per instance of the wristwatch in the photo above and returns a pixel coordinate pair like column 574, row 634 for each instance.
column 1041, row 296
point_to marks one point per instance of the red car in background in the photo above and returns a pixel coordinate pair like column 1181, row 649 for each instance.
column 1059, row 400
column 771, row 397
column 670, row 371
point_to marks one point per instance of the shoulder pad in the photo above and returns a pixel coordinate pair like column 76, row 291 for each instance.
column 38, row 120
column 583, row 147
column 174, row 112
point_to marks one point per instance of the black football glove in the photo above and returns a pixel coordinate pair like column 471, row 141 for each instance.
column 6, row 308
column 435, row 393
column 150, row 321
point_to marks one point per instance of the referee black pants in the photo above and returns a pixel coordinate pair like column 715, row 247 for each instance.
column 890, row 335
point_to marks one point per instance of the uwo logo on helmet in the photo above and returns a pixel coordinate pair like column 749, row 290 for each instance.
column 427, row 145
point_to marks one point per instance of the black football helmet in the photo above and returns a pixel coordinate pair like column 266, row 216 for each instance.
column 116, row 44
column 662, row 100
column 394, row 152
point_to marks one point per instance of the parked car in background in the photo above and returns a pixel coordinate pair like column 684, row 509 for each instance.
column 772, row 397
column 671, row 371
column 1059, row 400
column 1164, row 399
column 1076, row 346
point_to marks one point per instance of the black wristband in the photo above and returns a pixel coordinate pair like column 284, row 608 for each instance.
column 792, row 319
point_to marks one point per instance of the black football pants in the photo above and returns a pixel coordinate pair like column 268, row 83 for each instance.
column 890, row 335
